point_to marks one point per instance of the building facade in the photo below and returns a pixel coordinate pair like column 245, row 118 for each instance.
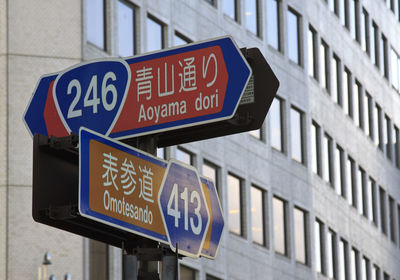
column 313, row 194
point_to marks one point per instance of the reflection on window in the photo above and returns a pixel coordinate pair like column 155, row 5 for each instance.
column 251, row 13
column 342, row 259
column 161, row 153
column 296, row 125
column 273, row 26
column 375, row 274
column 395, row 69
column 387, row 130
column 312, row 52
column 374, row 44
column 184, row 156
column 383, row 56
column 315, row 149
column 98, row 260
column 378, row 126
column 335, row 80
column 256, row 133
column 368, row 114
column 362, row 209
column 330, row 254
column 211, row 171
column 229, row 8
column 275, row 116
column 382, row 199
column 187, row 273
column 154, row 35
column 354, row 17
column 357, row 93
column 365, row 268
column 180, row 40
column 279, row 215
column 293, row 22
column 324, row 58
column 126, row 29
column 339, row 171
column 364, row 31
column 351, row 197
column 328, row 158
column 234, row 205
column 396, row 145
column 257, row 215
column 354, row 264
column 300, row 235
column 372, row 214
column 95, row 22
column 346, row 91
column 318, row 231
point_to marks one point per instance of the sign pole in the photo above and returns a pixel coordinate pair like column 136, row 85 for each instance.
column 145, row 266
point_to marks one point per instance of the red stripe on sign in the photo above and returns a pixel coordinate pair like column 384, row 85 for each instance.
column 54, row 125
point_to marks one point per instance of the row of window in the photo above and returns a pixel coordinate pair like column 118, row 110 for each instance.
column 338, row 259
column 96, row 29
column 394, row 6
column 331, row 162
column 349, row 94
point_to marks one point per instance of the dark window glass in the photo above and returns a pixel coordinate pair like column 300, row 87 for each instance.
column 95, row 22
column 186, row 273
column 155, row 36
column 98, row 260
column 382, row 198
column 126, row 29
column 315, row 149
column 293, row 22
column 235, row 205
column 273, row 26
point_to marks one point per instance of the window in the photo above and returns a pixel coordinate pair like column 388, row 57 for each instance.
column 318, row 246
column 257, row 215
column 312, row 53
column 339, row 159
column 384, row 57
column 354, row 269
column 276, row 125
column 300, row 233
column 392, row 219
column 333, row 6
column 186, row 273
column 387, row 137
column 324, row 58
column 368, row 118
column 357, row 95
column 98, row 260
column 342, row 257
column 327, row 156
column 365, row 268
column 375, row 273
column 209, row 277
column 273, row 24
column 211, row 171
column 126, row 29
column 335, row 72
column 331, row 254
column 235, row 205
column 395, row 71
column 230, row 8
column 251, row 14
column 354, row 19
column 382, row 199
column 346, row 82
column 372, row 196
column 184, row 156
column 364, row 32
column 155, row 35
column 361, row 193
column 256, row 133
column 351, row 196
column 293, row 36
column 386, row 276
column 396, row 145
column 296, row 125
column 378, row 127
column 161, row 153
column 280, row 234
column 374, row 44
column 180, row 40
column 96, row 23
column 315, row 149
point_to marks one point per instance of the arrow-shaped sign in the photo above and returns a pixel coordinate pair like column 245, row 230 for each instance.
column 121, row 98
column 134, row 191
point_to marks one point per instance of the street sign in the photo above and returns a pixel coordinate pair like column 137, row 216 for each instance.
column 128, row 189
column 184, row 209
column 187, row 86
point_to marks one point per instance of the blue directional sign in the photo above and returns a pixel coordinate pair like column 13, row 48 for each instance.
column 184, row 209
column 122, row 98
